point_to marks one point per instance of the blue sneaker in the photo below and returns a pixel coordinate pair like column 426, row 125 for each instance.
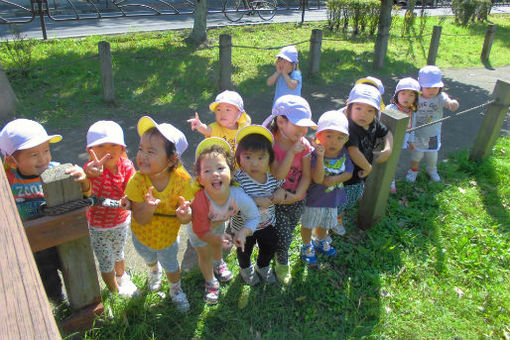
column 308, row 255
column 323, row 246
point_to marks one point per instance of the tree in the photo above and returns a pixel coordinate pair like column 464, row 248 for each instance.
column 199, row 33
column 383, row 33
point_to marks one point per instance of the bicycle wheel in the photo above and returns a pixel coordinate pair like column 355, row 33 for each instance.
column 234, row 9
column 266, row 9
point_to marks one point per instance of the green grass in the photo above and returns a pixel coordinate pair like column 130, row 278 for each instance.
column 159, row 73
column 436, row 267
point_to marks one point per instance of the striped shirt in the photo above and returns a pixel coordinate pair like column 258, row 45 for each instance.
column 257, row 189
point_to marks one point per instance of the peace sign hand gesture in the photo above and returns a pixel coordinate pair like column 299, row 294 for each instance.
column 95, row 167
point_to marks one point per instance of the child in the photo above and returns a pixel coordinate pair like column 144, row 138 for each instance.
column 109, row 171
column 405, row 100
column 254, row 154
column 331, row 166
column 213, row 205
column 427, row 140
column 377, row 83
column 287, row 77
column 25, row 145
column 289, row 123
column 363, row 108
column 157, row 191
column 230, row 118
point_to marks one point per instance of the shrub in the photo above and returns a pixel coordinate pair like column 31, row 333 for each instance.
column 359, row 14
column 471, row 10
column 19, row 50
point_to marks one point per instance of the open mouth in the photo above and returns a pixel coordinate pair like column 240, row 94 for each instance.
column 217, row 184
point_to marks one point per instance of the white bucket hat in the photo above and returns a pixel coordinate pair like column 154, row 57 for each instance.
column 430, row 76
column 333, row 120
column 289, row 53
column 366, row 94
column 229, row 97
column 105, row 131
column 22, row 134
column 170, row 132
column 295, row 108
column 408, row 84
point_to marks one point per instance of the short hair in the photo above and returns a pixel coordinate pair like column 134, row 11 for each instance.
column 170, row 148
column 254, row 142
column 218, row 150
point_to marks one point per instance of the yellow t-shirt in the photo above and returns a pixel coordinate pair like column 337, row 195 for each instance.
column 227, row 134
column 162, row 231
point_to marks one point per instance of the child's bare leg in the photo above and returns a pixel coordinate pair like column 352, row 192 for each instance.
column 306, row 235
column 415, row 165
column 111, row 283
column 119, row 267
column 321, row 233
column 205, row 262
column 174, row 277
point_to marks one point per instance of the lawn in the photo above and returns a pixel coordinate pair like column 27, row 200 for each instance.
column 435, row 267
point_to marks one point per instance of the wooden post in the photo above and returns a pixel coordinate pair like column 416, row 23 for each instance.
column 315, row 52
column 105, row 62
column 434, row 45
column 377, row 185
column 492, row 121
column 78, row 267
column 25, row 312
column 225, row 81
column 8, row 99
column 487, row 43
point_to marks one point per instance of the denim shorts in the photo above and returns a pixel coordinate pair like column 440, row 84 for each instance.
column 198, row 243
column 325, row 218
column 166, row 256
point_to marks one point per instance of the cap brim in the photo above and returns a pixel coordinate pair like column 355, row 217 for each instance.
column 283, row 56
column 145, row 123
column 334, row 128
column 33, row 142
column 305, row 122
column 214, row 105
column 439, row 84
column 254, row 129
column 104, row 140
column 208, row 142
column 409, row 89
column 365, row 101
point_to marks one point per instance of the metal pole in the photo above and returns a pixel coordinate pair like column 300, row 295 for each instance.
column 41, row 17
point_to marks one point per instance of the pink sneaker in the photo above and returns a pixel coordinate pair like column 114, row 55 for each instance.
column 223, row 274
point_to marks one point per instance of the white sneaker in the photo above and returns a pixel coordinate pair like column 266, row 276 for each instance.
column 393, row 187
column 434, row 176
column 155, row 279
column 126, row 287
column 339, row 229
column 411, row 176
column 181, row 301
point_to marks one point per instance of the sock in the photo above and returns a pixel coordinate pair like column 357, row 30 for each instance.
column 212, row 282
column 415, row 170
column 175, row 288
column 216, row 263
column 155, row 268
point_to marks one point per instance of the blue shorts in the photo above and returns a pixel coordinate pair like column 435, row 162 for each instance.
column 166, row 256
column 325, row 218
column 198, row 243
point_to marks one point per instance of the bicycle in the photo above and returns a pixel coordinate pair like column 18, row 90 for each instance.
column 234, row 10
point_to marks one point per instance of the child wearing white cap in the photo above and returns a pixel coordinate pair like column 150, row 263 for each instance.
column 25, row 145
column 363, row 106
column 230, row 118
column 108, row 172
column 158, row 193
column 430, row 108
column 289, row 122
column 287, row 76
column 331, row 166
column 405, row 100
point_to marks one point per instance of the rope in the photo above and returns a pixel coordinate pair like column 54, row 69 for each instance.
column 77, row 204
column 271, row 48
column 454, row 115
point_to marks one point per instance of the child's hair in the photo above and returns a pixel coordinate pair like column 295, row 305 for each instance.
column 254, row 142
column 273, row 126
column 216, row 150
column 170, row 148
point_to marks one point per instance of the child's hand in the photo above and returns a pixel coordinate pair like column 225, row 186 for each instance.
column 95, row 167
column 288, row 68
column 279, row 196
column 150, row 199
column 196, row 123
column 77, row 172
column 329, row 181
column 183, row 212
column 279, row 66
column 319, row 149
column 298, row 147
column 364, row 173
column 382, row 156
column 411, row 146
column 240, row 238
column 226, row 240
column 453, row 105
column 263, row 201
column 125, row 203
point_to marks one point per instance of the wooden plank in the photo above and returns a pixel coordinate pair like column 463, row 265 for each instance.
column 50, row 231
column 25, row 312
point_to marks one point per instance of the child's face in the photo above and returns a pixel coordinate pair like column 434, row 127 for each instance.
column 114, row 150
column 363, row 114
column 227, row 115
column 286, row 65
column 151, row 157
column 214, row 174
column 333, row 141
column 406, row 98
column 33, row 161
column 255, row 163
column 429, row 92
column 289, row 130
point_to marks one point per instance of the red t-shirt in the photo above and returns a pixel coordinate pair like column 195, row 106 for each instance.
column 110, row 185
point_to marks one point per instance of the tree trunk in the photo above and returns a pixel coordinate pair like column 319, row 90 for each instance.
column 383, row 33
column 199, row 33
